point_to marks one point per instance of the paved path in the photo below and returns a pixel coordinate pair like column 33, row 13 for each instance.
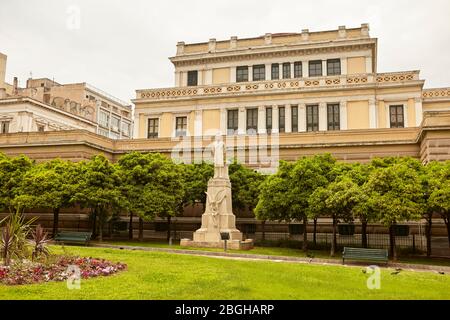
column 261, row 257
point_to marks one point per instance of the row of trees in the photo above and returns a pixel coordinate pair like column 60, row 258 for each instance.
column 389, row 190
column 143, row 185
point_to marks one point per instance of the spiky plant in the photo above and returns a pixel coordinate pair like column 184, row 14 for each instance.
column 6, row 245
column 39, row 242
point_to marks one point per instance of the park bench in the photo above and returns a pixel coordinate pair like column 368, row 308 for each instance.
column 73, row 237
column 365, row 254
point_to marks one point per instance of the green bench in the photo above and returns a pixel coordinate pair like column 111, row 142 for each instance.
column 73, row 237
column 365, row 254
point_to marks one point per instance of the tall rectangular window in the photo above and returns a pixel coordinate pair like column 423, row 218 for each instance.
column 275, row 71
column 259, row 72
column 312, row 118
column 126, row 128
column 242, row 74
column 252, row 121
column 153, row 125
column 103, row 119
column 4, row 127
column 333, row 117
column 192, row 78
column 294, row 118
column 281, row 120
column 180, row 126
column 269, row 119
column 115, row 123
column 298, row 72
column 333, row 67
column 286, row 70
column 315, row 68
column 232, row 122
column 396, row 116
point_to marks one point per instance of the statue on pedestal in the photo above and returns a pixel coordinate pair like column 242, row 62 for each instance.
column 220, row 167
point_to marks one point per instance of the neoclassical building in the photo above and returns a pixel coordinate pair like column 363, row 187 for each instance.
column 314, row 91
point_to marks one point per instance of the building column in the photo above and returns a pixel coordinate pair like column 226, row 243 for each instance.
column 405, row 115
column 262, row 120
column 242, row 121
column 183, row 79
column 223, row 121
column 369, row 67
column 343, row 66
column 419, row 111
column 198, row 123
column 302, row 117
column 200, row 77
column 287, row 118
column 250, row 73
column 292, row 70
column 232, row 74
column 177, row 79
column 343, row 115
column 324, row 67
column 305, row 68
column 322, row 116
column 372, row 114
column 275, row 124
column 268, row 71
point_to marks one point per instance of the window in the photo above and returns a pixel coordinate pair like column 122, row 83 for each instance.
column 259, row 72
column 312, row 118
column 4, row 126
column 180, row 126
column 269, row 119
column 315, row 68
column 153, row 126
column 192, row 79
column 396, row 116
column 281, row 120
column 275, row 71
column 242, row 74
column 103, row 119
column 252, row 121
column 333, row 117
column 115, row 123
column 103, row 132
column 126, row 128
column 298, row 72
column 286, row 70
column 333, row 67
column 232, row 122
column 294, row 118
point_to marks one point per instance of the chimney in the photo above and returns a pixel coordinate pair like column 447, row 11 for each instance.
column 268, row 38
column 365, row 30
column 15, row 86
column 305, row 34
column 212, row 44
column 342, row 32
column 233, row 42
column 180, row 47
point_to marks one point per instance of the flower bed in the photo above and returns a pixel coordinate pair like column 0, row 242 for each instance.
column 60, row 269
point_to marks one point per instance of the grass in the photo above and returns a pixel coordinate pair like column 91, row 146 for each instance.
column 160, row 275
column 276, row 251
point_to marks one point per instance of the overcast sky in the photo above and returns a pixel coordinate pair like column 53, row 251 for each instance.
column 120, row 46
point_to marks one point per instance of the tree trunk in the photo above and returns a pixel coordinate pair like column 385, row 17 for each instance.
column 263, row 227
column 305, row 235
column 315, row 232
column 393, row 247
column 333, row 241
column 130, row 227
column 100, row 229
column 364, row 233
column 141, row 229
column 55, row 221
column 169, row 219
column 94, row 223
column 447, row 223
column 429, row 219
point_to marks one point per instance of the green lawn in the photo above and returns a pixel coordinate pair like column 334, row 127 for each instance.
column 159, row 275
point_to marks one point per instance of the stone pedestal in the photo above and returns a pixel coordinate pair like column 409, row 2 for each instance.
column 218, row 217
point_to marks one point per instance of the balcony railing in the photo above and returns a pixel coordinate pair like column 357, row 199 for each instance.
column 436, row 93
column 277, row 85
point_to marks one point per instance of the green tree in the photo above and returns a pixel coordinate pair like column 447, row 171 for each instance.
column 12, row 171
column 50, row 185
column 196, row 177
column 99, row 190
column 394, row 194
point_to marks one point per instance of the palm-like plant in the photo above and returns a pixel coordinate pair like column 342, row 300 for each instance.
column 6, row 245
column 39, row 242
